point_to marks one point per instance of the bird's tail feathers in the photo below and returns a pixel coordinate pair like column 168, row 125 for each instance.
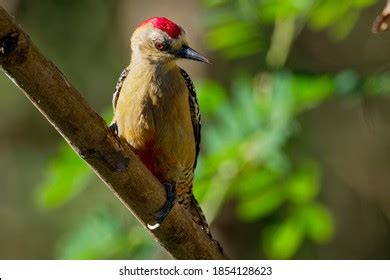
column 200, row 219
column 197, row 213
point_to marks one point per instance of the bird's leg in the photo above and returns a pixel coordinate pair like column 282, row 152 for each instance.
column 170, row 189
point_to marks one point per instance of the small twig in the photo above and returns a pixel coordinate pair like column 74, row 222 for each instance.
column 382, row 21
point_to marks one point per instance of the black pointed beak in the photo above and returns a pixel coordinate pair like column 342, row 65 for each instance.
column 189, row 53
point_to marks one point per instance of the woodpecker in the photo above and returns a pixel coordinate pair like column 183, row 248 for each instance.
column 156, row 111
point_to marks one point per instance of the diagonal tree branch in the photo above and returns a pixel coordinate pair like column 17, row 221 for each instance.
column 87, row 133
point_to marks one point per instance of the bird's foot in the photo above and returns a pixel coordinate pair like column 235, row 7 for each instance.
column 114, row 128
column 170, row 190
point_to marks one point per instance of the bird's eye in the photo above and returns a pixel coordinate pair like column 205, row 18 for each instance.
column 160, row 46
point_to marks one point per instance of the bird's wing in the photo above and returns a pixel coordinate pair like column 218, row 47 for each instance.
column 113, row 126
column 195, row 113
column 118, row 86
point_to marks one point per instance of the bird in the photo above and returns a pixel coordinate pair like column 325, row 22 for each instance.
column 157, row 113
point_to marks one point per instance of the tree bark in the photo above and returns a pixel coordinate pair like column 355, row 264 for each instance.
column 87, row 133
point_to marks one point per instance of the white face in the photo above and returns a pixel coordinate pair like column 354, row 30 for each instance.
column 156, row 45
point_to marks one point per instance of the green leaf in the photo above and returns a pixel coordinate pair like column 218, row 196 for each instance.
column 272, row 9
column 317, row 221
column 245, row 105
column 327, row 12
column 101, row 235
column 218, row 186
column 341, row 29
column 67, row 175
column 303, row 185
column 330, row 13
column 98, row 236
column 310, row 91
column 231, row 34
column 210, row 96
column 242, row 50
column 235, row 38
column 260, row 205
column 282, row 241
column 251, row 182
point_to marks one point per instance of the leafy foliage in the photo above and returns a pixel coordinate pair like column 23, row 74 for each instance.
column 238, row 28
column 66, row 177
column 246, row 156
column 102, row 235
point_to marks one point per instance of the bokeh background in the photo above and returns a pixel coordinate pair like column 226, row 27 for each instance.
column 295, row 153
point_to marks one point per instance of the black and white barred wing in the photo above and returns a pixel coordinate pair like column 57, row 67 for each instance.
column 195, row 113
column 118, row 87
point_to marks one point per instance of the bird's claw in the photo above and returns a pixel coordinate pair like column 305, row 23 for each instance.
column 153, row 227
column 114, row 128
column 170, row 190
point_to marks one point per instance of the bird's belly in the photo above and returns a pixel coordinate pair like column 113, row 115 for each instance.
column 174, row 150
column 156, row 121
column 166, row 147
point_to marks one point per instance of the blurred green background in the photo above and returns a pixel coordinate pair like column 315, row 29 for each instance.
column 295, row 152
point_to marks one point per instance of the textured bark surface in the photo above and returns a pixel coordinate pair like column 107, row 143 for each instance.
column 87, row 133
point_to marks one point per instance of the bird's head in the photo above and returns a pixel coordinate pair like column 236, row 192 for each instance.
column 160, row 40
